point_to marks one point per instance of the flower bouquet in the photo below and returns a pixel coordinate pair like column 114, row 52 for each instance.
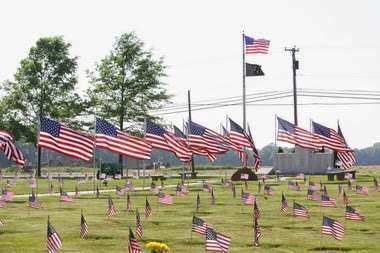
column 156, row 247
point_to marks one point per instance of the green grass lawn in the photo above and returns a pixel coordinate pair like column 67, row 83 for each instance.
column 25, row 229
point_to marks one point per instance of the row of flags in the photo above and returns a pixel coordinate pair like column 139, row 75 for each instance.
column 321, row 137
column 200, row 140
column 216, row 241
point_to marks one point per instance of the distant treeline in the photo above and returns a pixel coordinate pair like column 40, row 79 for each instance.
column 365, row 156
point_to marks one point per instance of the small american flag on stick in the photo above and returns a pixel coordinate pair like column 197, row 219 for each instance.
column 83, row 226
column 133, row 246
column 54, row 242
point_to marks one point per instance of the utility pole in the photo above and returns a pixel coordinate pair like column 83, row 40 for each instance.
column 295, row 67
column 188, row 132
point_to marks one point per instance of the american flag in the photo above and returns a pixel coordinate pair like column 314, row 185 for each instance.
column 1, row 223
column 216, row 241
column 154, row 188
column 362, row 190
column 165, row 198
column 247, row 198
column 64, row 197
column 327, row 201
column 300, row 211
column 206, row 186
column 97, row 192
column 10, row 150
column 129, row 187
column 314, row 186
column 293, row 185
column 111, row 211
column 268, row 190
column 347, row 158
column 181, row 190
column 240, row 139
column 139, row 229
column 329, row 138
column 65, row 140
column 207, row 139
column 198, row 203
column 33, row 201
column 159, row 138
column 195, row 150
column 129, row 203
column 256, row 211
column 256, row 46
column 351, row 214
column 254, row 151
column 2, row 203
column 112, row 139
column 312, row 195
column 256, row 232
column 54, row 242
column 300, row 176
column 290, row 133
column 133, row 246
column 147, row 209
column 7, row 195
column 333, row 228
column 83, row 227
column 119, row 191
column 199, row 226
column 77, row 193
column 284, row 204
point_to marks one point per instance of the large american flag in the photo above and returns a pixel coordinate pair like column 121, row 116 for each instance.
column 256, row 46
column 204, row 138
column 290, row 133
column 139, row 229
column 133, row 246
column 327, row 201
column 195, row 150
column 112, row 139
column 10, row 150
column 54, row 242
column 333, row 228
column 329, row 138
column 300, row 211
column 347, row 158
column 254, row 151
column 83, row 227
column 159, row 138
column 199, row 226
column 351, row 214
column 64, row 140
column 216, row 242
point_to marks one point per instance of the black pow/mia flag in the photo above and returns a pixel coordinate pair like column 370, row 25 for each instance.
column 253, row 70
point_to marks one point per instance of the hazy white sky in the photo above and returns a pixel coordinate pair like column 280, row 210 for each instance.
column 201, row 42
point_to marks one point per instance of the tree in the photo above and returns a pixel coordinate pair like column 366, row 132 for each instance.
column 126, row 84
column 43, row 86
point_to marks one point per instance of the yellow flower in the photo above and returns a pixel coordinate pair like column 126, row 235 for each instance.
column 157, row 247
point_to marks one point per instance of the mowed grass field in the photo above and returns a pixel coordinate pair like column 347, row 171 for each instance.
column 25, row 228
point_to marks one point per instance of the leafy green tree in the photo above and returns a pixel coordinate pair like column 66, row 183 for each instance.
column 43, row 86
column 127, row 83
